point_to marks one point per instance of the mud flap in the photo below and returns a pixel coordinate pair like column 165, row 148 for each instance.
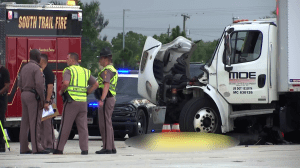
column 285, row 120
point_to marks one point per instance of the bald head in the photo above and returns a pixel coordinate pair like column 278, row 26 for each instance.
column 74, row 56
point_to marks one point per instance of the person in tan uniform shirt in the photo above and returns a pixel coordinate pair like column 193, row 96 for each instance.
column 31, row 84
column 74, row 111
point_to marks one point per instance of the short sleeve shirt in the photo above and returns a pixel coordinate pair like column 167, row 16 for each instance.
column 49, row 76
column 4, row 76
column 107, row 75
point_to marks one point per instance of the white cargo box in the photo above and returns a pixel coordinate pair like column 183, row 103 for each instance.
column 288, row 45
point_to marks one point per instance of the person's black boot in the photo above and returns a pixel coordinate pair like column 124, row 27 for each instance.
column 57, row 152
column 104, row 151
column 84, row 152
column 27, row 152
column 42, row 152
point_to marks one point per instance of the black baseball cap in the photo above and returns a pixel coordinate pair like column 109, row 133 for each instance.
column 105, row 52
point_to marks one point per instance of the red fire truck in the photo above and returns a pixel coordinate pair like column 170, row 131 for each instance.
column 53, row 29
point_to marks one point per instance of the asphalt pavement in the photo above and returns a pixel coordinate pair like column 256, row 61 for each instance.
column 238, row 156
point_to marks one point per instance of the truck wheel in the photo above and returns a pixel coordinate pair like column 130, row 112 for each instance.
column 141, row 124
column 72, row 135
column 13, row 134
column 200, row 115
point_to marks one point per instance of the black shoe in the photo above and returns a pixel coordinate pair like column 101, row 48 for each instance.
column 114, row 151
column 57, row 152
column 50, row 150
column 104, row 151
column 42, row 152
column 28, row 152
column 85, row 152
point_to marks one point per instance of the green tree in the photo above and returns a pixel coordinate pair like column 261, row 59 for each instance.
column 93, row 23
column 163, row 38
column 134, row 43
column 204, row 51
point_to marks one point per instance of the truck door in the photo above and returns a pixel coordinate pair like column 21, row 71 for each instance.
column 247, row 81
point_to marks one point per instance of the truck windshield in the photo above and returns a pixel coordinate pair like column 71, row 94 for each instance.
column 209, row 62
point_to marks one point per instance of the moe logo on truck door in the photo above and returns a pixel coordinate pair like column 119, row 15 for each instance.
column 242, row 78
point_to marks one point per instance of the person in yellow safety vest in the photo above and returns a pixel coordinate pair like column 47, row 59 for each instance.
column 107, row 79
column 76, row 80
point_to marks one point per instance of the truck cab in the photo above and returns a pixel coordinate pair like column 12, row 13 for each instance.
column 250, row 82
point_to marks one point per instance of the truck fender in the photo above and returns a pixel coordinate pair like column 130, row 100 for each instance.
column 222, row 106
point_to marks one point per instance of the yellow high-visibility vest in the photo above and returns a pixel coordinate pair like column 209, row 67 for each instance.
column 113, row 80
column 77, row 88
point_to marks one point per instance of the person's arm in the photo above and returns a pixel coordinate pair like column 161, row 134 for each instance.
column 6, row 82
column 93, row 83
column 64, row 86
column 66, row 81
column 49, row 94
column 105, row 91
column 5, row 88
column 106, row 76
column 39, row 83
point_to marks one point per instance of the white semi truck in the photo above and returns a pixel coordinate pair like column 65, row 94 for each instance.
column 252, row 80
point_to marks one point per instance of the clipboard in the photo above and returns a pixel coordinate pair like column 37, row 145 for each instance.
column 56, row 113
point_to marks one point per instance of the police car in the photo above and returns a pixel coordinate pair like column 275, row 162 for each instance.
column 132, row 115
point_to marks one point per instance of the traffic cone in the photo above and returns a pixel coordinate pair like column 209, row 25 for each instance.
column 175, row 127
column 166, row 128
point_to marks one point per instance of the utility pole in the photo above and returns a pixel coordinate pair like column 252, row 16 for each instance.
column 185, row 17
column 169, row 31
column 124, row 27
column 124, row 30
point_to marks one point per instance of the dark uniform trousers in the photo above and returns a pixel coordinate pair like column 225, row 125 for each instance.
column 3, row 107
column 105, row 123
column 31, row 119
column 74, row 111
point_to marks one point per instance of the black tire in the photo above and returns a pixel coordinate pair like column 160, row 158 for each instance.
column 72, row 135
column 183, row 113
column 13, row 134
column 141, row 127
column 200, row 115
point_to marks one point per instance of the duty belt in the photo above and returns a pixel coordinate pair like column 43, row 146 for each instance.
column 37, row 96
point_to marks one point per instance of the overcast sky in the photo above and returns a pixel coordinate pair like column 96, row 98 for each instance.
column 207, row 17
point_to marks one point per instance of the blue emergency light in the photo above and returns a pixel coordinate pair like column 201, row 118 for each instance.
column 93, row 104
column 123, row 71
